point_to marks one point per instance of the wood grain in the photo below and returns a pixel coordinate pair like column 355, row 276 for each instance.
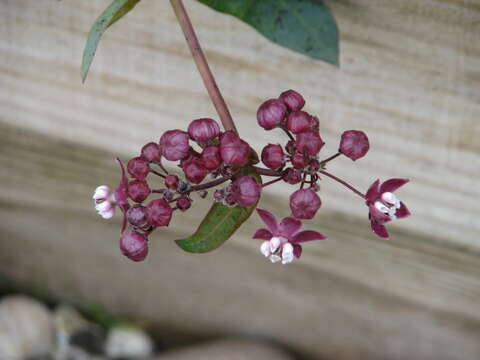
column 409, row 77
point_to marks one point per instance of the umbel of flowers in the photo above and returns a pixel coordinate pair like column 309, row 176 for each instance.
column 211, row 160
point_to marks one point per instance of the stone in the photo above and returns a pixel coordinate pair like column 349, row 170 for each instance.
column 26, row 328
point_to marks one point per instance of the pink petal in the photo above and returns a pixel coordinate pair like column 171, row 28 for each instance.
column 289, row 226
column 379, row 229
column 268, row 219
column 263, row 234
column 297, row 250
column 378, row 216
column 392, row 184
column 403, row 211
column 307, row 235
column 373, row 192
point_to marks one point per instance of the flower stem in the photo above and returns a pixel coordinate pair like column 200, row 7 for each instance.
column 267, row 172
column 210, row 184
column 157, row 173
column 323, row 162
column 202, row 65
column 271, row 182
column 344, row 183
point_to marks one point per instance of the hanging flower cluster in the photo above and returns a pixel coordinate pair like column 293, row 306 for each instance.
column 209, row 158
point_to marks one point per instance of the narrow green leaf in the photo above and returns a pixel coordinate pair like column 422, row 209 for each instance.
column 114, row 12
column 218, row 226
column 305, row 26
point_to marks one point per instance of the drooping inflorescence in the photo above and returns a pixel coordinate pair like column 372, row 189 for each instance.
column 148, row 194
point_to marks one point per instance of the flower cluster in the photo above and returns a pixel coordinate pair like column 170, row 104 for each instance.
column 148, row 194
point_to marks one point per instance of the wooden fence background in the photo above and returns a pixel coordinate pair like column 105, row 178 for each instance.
column 409, row 77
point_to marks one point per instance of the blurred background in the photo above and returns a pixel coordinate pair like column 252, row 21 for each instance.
column 409, row 77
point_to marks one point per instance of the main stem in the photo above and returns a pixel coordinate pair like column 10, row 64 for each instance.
column 202, row 65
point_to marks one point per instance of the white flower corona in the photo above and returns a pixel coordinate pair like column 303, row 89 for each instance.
column 104, row 201
column 389, row 204
column 277, row 249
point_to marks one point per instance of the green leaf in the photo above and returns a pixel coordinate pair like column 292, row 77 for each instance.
column 219, row 225
column 305, row 26
column 114, row 12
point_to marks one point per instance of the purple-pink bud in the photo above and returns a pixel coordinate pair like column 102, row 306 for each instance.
column 314, row 124
column 174, row 145
column 138, row 167
column 246, row 190
column 233, row 150
column 292, row 176
column 271, row 113
column 203, row 130
column 134, row 245
column 273, row 156
column 171, row 182
column 159, row 212
column 194, row 171
column 309, row 143
column 183, row 203
column 151, row 152
column 293, row 100
column 137, row 215
column 290, row 147
column 304, row 203
column 354, row 144
column 299, row 161
column 211, row 157
column 138, row 190
column 314, row 166
column 298, row 122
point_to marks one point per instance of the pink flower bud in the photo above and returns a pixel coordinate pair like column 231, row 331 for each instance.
column 246, row 190
column 290, row 147
column 159, row 212
column 298, row 122
column 183, row 203
column 273, row 156
column 171, row 182
column 271, row 113
column 292, row 176
column 192, row 155
column 134, row 245
column 211, row 157
column 151, row 152
column 309, row 143
column 194, row 171
column 203, row 130
column 230, row 200
column 293, row 100
column 174, row 145
column 354, row 144
column 299, row 161
column 233, row 150
column 304, row 203
column 314, row 124
column 138, row 190
column 137, row 215
column 138, row 167
column 314, row 166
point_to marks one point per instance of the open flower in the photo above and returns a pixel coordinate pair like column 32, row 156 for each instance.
column 282, row 239
column 384, row 206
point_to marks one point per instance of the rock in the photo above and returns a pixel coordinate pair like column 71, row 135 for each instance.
column 26, row 328
column 76, row 337
column 128, row 342
column 227, row 350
